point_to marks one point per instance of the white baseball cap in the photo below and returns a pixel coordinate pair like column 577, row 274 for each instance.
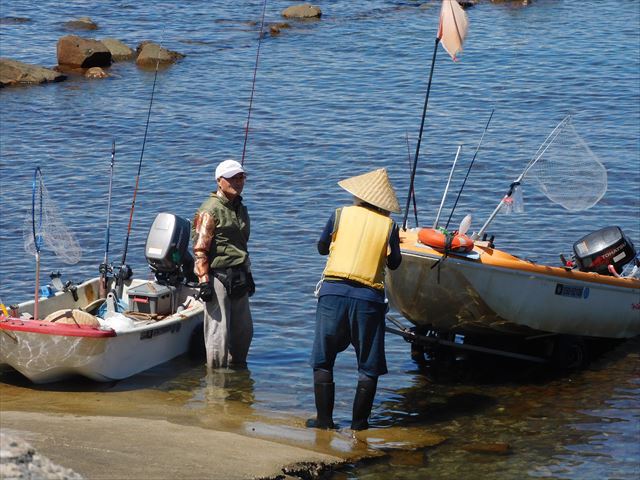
column 228, row 168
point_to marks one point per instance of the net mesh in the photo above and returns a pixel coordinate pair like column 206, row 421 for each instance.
column 43, row 227
column 566, row 170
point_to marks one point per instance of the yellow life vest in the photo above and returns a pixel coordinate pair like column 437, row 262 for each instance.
column 359, row 246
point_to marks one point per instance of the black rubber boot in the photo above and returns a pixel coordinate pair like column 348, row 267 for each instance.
column 325, row 395
column 365, row 392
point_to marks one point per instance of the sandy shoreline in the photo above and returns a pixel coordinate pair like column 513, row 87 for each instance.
column 111, row 447
column 120, row 448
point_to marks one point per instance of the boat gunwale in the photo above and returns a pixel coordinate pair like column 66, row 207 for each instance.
column 524, row 266
column 49, row 328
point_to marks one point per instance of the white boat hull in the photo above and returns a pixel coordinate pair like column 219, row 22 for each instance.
column 44, row 357
column 511, row 296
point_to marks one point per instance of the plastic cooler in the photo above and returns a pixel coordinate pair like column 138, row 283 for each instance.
column 151, row 298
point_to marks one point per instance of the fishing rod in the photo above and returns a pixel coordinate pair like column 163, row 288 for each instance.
column 124, row 272
column 446, row 188
column 105, row 268
column 38, row 237
column 424, row 114
column 413, row 194
column 469, row 169
column 253, row 84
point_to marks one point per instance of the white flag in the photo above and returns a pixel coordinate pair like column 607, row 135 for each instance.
column 453, row 27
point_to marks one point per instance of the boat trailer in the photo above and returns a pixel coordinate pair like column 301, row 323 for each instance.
column 458, row 343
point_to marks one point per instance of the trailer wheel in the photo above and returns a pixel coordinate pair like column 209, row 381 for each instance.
column 570, row 353
column 418, row 355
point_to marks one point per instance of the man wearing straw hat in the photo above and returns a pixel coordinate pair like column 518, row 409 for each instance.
column 360, row 240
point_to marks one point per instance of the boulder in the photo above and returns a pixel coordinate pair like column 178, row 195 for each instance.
column 82, row 23
column 74, row 51
column 303, row 10
column 119, row 51
column 13, row 72
column 151, row 54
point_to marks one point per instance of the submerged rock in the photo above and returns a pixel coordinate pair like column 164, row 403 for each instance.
column 82, row 23
column 276, row 28
column 497, row 448
column 13, row 20
column 95, row 72
column 13, row 72
column 151, row 54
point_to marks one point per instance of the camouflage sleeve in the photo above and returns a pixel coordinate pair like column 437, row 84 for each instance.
column 204, row 225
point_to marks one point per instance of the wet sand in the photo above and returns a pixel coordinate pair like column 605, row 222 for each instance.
column 120, row 448
column 148, row 427
column 99, row 447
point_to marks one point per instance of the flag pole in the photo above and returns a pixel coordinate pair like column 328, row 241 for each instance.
column 413, row 193
column 415, row 158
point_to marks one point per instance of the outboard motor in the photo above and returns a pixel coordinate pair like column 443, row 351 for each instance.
column 608, row 246
column 167, row 249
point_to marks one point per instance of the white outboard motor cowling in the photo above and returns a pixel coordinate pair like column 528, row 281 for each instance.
column 167, row 249
column 607, row 246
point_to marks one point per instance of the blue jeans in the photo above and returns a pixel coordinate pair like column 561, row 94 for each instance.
column 341, row 321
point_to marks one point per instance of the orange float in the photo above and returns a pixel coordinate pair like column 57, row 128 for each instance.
column 453, row 242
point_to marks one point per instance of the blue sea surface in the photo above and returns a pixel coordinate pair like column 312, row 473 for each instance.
column 333, row 98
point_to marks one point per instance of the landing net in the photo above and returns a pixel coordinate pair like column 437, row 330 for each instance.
column 566, row 170
column 43, row 226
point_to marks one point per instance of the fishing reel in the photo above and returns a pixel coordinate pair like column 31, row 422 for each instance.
column 68, row 286
column 124, row 273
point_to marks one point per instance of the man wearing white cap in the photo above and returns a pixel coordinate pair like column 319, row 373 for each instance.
column 220, row 235
column 360, row 241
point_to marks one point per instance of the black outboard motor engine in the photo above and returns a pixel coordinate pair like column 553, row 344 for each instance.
column 167, row 249
column 608, row 246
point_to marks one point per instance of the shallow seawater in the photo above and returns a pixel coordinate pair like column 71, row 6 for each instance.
column 334, row 98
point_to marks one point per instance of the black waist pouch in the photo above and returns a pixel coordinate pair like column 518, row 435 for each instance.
column 236, row 280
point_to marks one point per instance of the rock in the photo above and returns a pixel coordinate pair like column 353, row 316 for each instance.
column 498, row 448
column 82, row 23
column 523, row 3
column 18, row 460
column 119, row 51
column 151, row 54
column 95, row 72
column 304, row 10
column 13, row 20
column 13, row 72
column 276, row 28
column 74, row 51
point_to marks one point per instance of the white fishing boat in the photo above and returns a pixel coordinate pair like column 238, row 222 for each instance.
column 488, row 291
column 75, row 332
column 73, row 340
column 459, row 290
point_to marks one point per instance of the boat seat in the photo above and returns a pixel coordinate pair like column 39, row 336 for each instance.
column 71, row 317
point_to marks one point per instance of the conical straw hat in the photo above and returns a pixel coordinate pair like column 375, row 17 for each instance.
column 374, row 188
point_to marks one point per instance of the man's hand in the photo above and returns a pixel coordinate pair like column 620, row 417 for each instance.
column 206, row 292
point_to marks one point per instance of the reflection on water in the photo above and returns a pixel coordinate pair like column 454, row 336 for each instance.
column 583, row 425
column 579, row 426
